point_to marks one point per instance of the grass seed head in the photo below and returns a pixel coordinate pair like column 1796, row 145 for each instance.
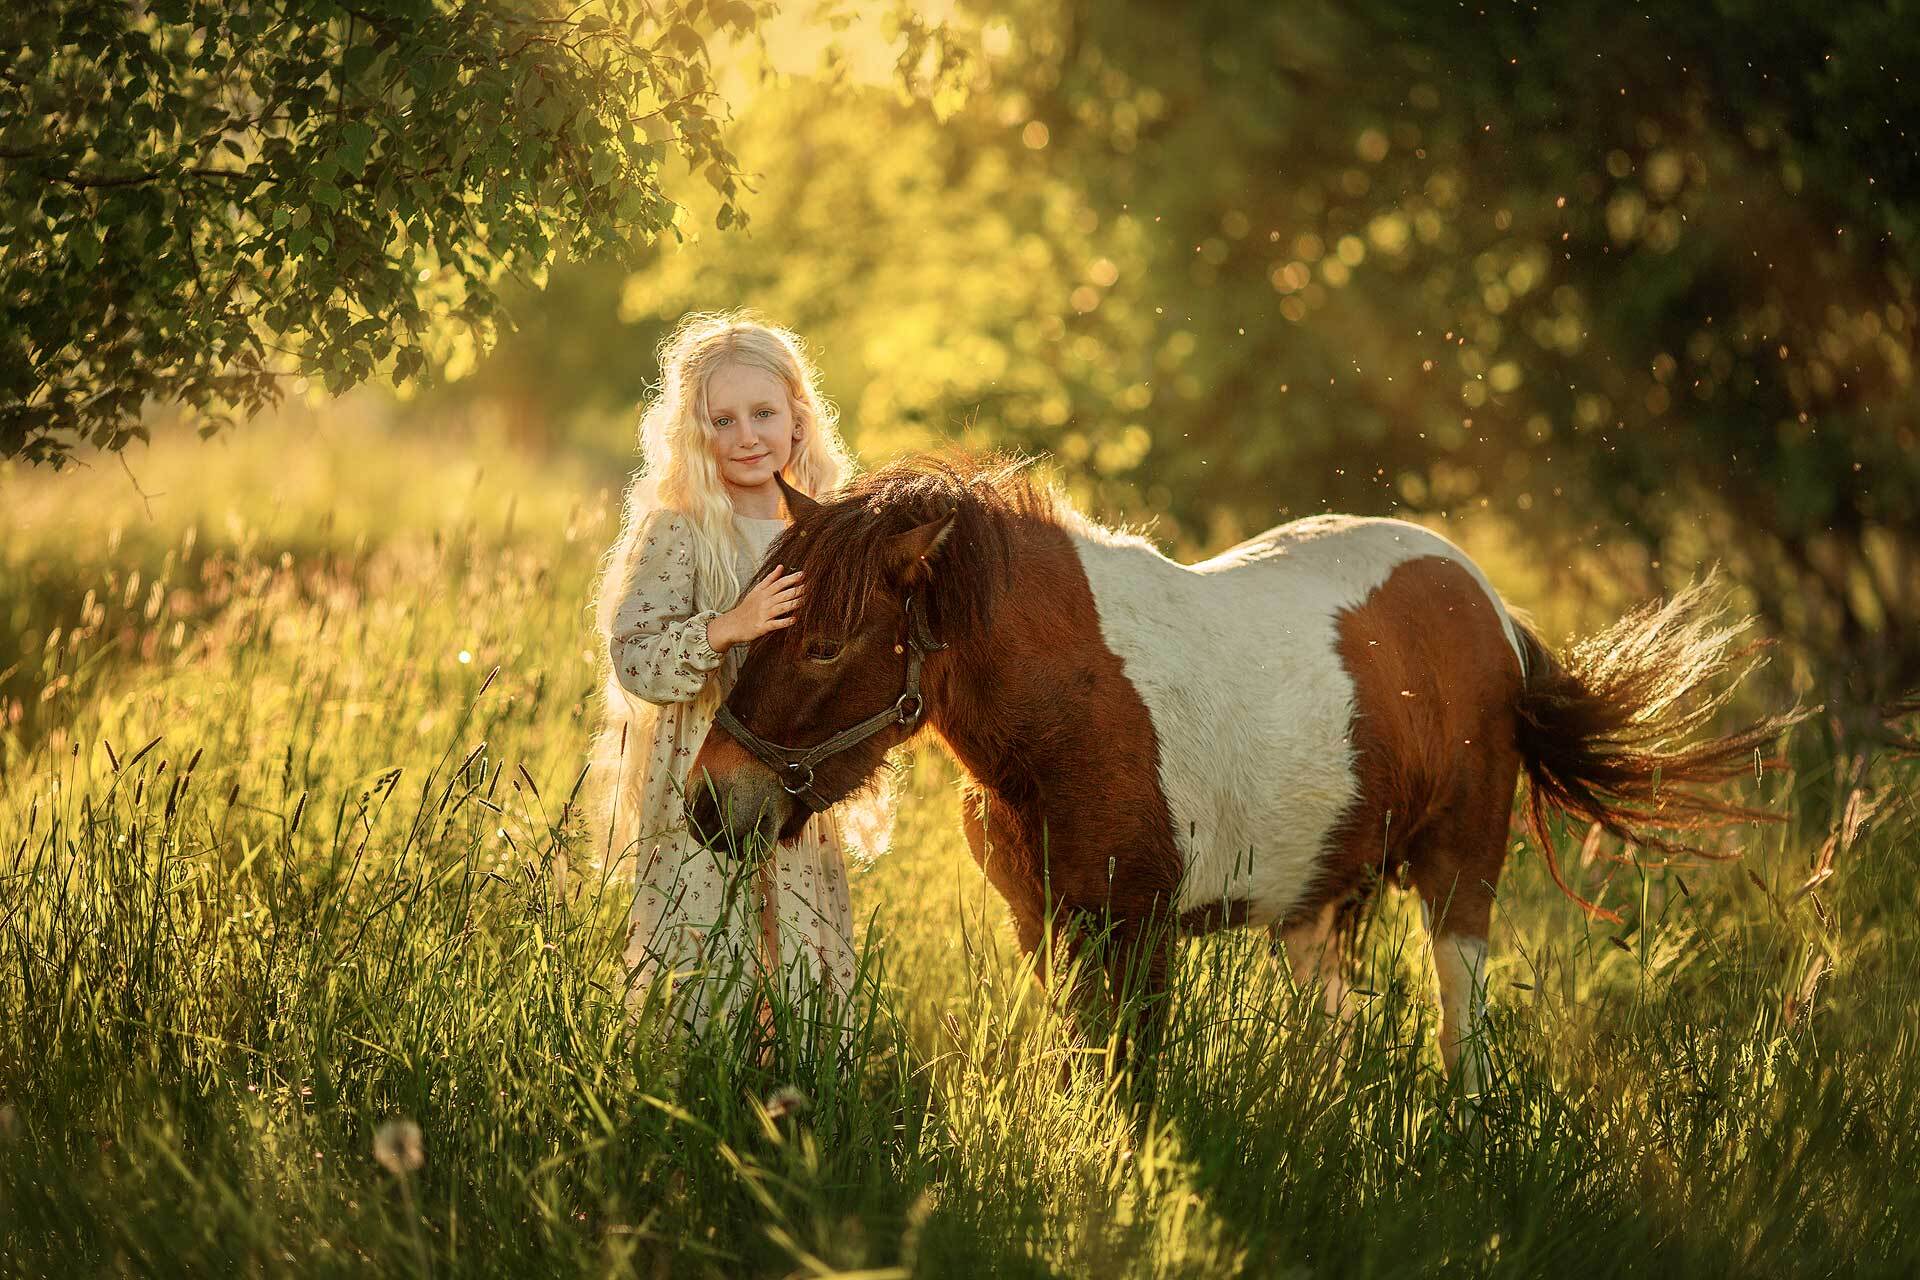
column 785, row 1101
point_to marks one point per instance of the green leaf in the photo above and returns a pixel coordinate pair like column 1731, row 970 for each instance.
column 356, row 140
column 85, row 247
column 357, row 59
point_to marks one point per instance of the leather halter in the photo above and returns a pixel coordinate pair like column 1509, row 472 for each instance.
column 794, row 765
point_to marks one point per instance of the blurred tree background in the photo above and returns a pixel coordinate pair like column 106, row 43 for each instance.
column 1640, row 288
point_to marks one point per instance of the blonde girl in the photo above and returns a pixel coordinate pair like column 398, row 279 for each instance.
column 738, row 403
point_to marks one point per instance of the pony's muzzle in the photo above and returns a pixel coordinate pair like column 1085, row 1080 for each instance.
column 728, row 818
column 733, row 802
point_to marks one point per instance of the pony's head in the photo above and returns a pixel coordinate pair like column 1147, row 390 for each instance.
column 901, row 572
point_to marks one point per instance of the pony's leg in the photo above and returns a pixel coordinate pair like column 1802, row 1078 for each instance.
column 1316, row 952
column 1082, row 970
column 1460, row 956
column 1456, row 870
column 1109, row 986
column 1139, row 958
column 1118, row 998
column 1045, row 932
column 1056, row 952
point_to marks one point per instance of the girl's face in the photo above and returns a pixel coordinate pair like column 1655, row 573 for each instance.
column 752, row 422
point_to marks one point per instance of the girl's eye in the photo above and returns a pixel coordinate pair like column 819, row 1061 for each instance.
column 822, row 650
column 723, row 422
column 764, row 413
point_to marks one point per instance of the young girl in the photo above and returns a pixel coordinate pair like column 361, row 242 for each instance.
column 738, row 403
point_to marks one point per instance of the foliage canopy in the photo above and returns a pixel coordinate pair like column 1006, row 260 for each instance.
column 201, row 200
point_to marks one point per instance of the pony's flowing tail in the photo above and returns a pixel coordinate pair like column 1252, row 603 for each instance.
column 1609, row 733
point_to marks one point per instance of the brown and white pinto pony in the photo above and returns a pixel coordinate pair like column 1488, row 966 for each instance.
column 1251, row 740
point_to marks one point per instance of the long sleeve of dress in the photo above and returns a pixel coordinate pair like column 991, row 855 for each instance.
column 658, row 642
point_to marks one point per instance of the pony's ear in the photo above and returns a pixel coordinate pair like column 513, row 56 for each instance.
column 798, row 503
column 911, row 555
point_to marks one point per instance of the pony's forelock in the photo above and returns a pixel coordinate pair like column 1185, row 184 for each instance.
column 847, row 547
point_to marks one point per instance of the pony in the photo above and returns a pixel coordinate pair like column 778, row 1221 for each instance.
column 1252, row 740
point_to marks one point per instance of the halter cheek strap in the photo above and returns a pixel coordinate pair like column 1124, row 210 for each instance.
column 794, row 766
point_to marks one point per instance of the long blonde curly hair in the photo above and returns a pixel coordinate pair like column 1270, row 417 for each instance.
column 678, row 472
column 678, row 475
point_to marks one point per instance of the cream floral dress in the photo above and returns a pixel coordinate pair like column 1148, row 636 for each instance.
column 700, row 918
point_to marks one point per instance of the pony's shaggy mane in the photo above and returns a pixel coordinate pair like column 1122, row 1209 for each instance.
column 846, row 547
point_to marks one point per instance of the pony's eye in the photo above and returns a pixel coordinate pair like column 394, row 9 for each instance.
column 822, row 650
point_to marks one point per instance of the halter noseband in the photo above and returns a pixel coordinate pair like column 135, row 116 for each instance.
column 795, row 766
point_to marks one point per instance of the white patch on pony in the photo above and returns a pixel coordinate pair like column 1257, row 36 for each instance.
column 1238, row 663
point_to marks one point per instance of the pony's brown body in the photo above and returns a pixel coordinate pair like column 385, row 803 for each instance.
column 1251, row 740
column 1066, row 815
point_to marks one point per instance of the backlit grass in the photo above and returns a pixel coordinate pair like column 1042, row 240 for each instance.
column 287, row 853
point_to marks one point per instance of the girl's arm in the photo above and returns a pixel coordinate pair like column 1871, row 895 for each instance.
column 658, row 643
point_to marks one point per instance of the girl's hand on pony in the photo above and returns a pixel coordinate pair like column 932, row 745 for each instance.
column 768, row 606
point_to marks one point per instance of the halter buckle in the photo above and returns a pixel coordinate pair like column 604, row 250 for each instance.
column 792, row 771
column 900, row 708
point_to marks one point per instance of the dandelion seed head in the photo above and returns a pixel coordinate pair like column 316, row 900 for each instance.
column 398, row 1146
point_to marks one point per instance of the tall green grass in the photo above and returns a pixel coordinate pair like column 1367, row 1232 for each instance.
column 287, row 855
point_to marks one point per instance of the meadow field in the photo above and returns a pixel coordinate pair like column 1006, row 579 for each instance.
column 288, row 735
